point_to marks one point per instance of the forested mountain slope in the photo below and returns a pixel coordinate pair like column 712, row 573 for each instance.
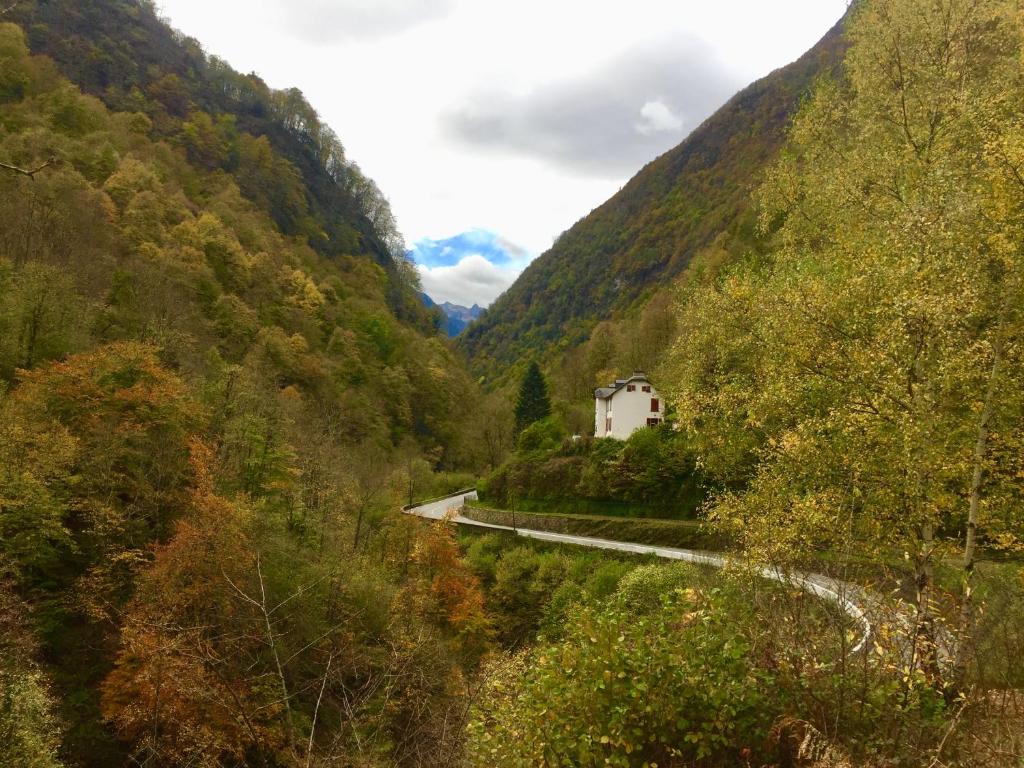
column 273, row 143
column 646, row 235
column 203, row 397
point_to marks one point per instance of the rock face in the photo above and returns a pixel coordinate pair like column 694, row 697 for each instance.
column 457, row 317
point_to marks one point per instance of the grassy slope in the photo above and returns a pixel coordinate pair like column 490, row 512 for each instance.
column 648, row 233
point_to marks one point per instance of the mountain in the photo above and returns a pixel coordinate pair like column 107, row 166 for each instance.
column 460, row 317
column 614, row 259
column 457, row 317
column 273, row 143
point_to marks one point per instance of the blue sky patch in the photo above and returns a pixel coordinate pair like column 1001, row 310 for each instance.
column 473, row 267
column 476, row 242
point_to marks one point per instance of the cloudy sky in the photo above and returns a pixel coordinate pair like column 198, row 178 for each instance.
column 493, row 125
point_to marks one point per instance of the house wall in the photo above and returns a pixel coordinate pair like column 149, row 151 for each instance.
column 600, row 414
column 631, row 410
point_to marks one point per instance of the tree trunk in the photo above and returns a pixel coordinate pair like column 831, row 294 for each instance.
column 925, row 646
column 359, row 527
column 32, row 333
column 966, row 624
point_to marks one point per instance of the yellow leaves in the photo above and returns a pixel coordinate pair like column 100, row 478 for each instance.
column 298, row 343
column 302, row 292
column 131, row 177
column 853, row 361
column 291, row 392
column 1006, row 541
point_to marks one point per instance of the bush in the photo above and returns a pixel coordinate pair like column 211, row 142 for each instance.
column 653, row 474
column 523, row 582
column 482, row 554
column 541, row 435
column 643, row 589
column 675, row 686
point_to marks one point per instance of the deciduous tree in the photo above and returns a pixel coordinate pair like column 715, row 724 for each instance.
column 855, row 375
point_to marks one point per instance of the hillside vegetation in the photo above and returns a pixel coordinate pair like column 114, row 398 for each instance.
column 218, row 387
column 207, row 419
column 282, row 156
column 851, row 394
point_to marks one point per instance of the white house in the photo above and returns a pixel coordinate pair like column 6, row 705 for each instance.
column 626, row 406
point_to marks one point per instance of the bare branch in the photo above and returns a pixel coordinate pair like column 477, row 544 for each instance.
column 31, row 173
column 239, row 591
column 316, row 712
column 272, row 642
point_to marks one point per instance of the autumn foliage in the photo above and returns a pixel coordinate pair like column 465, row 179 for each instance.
column 450, row 590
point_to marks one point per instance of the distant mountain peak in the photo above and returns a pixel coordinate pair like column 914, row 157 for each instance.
column 458, row 317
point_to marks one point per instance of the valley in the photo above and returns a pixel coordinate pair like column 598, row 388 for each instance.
column 731, row 475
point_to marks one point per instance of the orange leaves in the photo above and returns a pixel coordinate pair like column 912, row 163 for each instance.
column 451, row 587
column 124, row 379
column 129, row 420
column 164, row 699
column 174, row 692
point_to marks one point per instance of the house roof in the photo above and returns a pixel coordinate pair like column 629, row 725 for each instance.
column 604, row 393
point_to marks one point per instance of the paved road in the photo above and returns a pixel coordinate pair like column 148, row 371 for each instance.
column 848, row 597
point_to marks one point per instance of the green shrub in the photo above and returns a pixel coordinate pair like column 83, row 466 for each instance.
column 643, row 589
column 605, row 578
column 545, row 435
column 482, row 554
column 672, row 687
column 653, row 474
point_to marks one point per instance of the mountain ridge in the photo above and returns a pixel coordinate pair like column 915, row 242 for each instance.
column 456, row 317
column 612, row 260
column 126, row 54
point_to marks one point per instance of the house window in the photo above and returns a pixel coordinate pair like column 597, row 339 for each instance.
column 647, row 389
column 631, row 387
column 655, row 405
column 653, row 422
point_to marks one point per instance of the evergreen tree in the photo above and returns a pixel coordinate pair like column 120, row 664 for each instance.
column 533, row 403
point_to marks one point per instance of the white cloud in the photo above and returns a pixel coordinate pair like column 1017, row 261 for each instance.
column 474, row 280
column 327, row 21
column 384, row 87
column 657, row 118
column 587, row 123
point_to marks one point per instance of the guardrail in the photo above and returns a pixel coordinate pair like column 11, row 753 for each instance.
column 424, row 502
column 824, row 587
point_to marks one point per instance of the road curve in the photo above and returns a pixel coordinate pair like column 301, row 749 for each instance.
column 848, row 597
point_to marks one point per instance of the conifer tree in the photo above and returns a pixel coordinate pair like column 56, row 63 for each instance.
column 533, row 403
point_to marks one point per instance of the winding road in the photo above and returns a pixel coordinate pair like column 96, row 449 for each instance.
column 850, row 598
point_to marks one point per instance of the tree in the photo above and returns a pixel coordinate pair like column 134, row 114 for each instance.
column 31, row 732
column 447, row 590
column 848, row 383
column 175, row 693
column 533, row 403
column 492, row 426
column 41, row 316
column 104, row 438
column 370, row 477
column 34, row 462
